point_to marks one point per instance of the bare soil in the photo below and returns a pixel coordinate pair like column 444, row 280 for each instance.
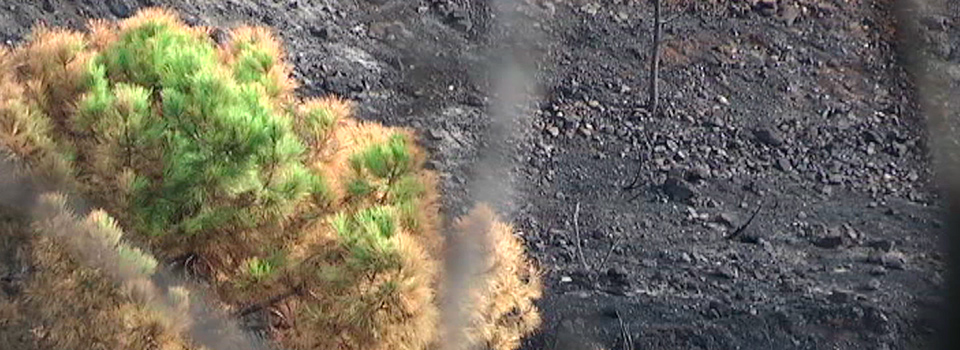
column 782, row 200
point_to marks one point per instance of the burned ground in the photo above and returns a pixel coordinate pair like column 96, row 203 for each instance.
column 798, row 111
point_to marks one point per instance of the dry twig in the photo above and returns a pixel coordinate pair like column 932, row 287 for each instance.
column 609, row 252
column 625, row 334
column 576, row 227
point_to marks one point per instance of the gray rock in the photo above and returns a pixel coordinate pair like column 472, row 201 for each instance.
column 698, row 173
column 877, row 321
column 618, row 276
column 829, row 242
column 321, row 31
column 768, row 136
column 679, row 190
column 725, row 272
column 222, row 37
column 892, row 260
column 872, row 285
column 727, row 218
column 435, row 134
column 877, row 271
column 784, row 165
column 119, row 8
column 884, row 245
column 840, row 296
column 553, row 131
column 723, row 100
column 587, row 132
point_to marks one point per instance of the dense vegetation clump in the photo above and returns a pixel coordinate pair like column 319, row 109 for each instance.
column 204, row 155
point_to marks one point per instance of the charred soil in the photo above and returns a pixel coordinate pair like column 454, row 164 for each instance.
column 783, row 199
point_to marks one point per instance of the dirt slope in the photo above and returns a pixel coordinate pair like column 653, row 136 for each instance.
column 798, row 108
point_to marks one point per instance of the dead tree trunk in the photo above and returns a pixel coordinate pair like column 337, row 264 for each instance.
column 655, row 59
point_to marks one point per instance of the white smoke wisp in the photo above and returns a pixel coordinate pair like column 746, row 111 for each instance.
column 514, row 93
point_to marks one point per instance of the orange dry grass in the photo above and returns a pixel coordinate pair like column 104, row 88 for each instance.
column 24, row 131
column 66, row 305
column 340, row 108
column 101, row 33
column 52, row 67
column 158, row 15
column 499, row 304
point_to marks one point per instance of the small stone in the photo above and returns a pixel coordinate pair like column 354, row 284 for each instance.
column 835, row 179
column 672, row 145
column 221, row 37
column 698, row 173
column 789, row 13
column 727, row 218
column 829, row 242
column 784, row 165
column 872, row 285
column 321, row 32
column 715, row 226
column 768, row 136
column 648, row 263
column 685, row 257
column 877, row 321
column 561, row 196
column 617, row 275
column 566, row 279
column 435, row 134
column 553, row 131
column 753, row 238
column 884, row 245
column 119, row 8
column 897, row 149
column 762, row 4
column 877, row 271
column 894, row 262
column 890, row 260
column 913, row 176
column 840, row 296
column 725, row 272
column 679, row 190
column 827, row 190
column 48, row 6
column 723, row 100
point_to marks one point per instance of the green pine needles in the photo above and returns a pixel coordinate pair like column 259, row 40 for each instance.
column 389, row 161
column 386, row 171
column 367, row 235
column 207, row 143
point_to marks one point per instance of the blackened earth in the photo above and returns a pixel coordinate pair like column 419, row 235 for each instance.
column 795, row 114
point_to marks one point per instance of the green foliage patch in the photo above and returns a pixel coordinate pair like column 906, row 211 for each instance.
column 207, row 147
column 367, row 235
